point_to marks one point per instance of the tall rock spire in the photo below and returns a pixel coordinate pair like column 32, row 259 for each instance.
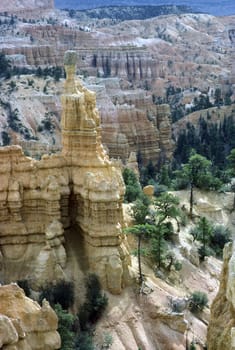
column 74, row 197
column 81, row 129
column 96, row 182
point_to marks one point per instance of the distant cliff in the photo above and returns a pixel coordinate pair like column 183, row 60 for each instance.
column 19, row 5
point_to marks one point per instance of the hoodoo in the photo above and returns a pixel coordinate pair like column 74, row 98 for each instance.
column 79, row 190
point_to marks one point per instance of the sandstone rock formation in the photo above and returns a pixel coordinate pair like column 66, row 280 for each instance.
column 138, row 54
column 132, row 123
column 222, row 324
column 24, row 325
column 79, row 190
column 147, row 324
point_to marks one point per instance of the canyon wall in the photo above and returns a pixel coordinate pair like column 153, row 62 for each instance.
column 79, row 189
column 131, row 122
column 147, row 57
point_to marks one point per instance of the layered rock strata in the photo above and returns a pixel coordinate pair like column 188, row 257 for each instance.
column 24, row 324
column 79, row 189
column 132, row 123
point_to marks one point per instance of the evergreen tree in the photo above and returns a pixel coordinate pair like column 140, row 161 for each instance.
column 133, row 188
column 4, row 66
column 165, row 208
column 65, row 328
column 141, row 231
column 231, row 160
column 164, row 177
column 197, row 173
column 218, row 97
column 204, row 236
column 158, row 243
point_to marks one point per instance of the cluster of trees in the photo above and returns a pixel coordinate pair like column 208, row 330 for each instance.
column 76, row 331
column 153, row 223
column 174, row 95
column 212, row 237
column 196, row 171
column 9, row 20
column 7, row 70
column 153, row 226
column 191, row 168
column 133, row 188
column 4, row 66
column 56, row 72
column 211, row 140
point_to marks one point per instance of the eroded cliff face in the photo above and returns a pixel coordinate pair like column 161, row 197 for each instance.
column 147, row 57
column 221, row 329
column 79, row 190
column 132, row 123
column 24, row 324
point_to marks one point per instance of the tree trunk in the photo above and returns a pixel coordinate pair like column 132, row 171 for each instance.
column 191, row 201
column 139, row 260
column 159, row 252
column 170, row 263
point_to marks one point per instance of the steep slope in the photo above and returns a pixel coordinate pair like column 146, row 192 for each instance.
column 148, row 319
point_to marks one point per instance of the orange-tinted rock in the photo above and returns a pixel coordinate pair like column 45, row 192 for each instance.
column 24, row 324
column 80, row 189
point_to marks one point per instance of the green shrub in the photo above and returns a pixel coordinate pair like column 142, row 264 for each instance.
column 24, row 284
column 107, row 341
column 61, row 293
column 95, row 303
column 40, row 128
column 192, row 346
column 140, row 209
column 198, row 301
column 205, row 251
column 133, row 188
column 65, row 328
column 132, row 193
column 5, row 138
column 221, row 235
column 84, row 342
column 169, row 231
column 178, row 265
column 159, row 189
column 214, row 236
